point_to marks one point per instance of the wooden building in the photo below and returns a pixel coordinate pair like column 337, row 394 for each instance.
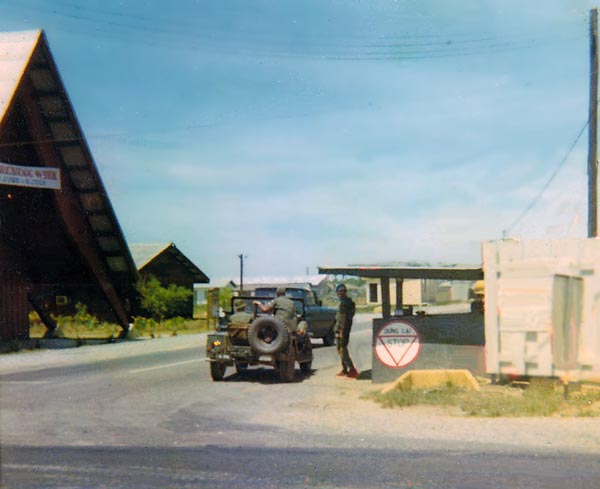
column 170, row 266
column 59, row 244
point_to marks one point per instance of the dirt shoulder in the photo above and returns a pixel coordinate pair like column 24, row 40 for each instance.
column 334, row 405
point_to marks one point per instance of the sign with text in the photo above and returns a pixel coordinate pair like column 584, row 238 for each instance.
column 397, row 344
column 29, row 176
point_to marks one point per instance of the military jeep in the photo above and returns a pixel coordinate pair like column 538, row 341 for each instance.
column 253, row 338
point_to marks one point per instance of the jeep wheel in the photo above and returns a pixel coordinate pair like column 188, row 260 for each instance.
column 329, row 338
column 286, row 368
column 241, row 367
column 268, row 335
column 217, row 371
column 306, row 367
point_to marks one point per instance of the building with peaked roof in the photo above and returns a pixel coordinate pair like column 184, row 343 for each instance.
column 59, row 244
column 168, row 264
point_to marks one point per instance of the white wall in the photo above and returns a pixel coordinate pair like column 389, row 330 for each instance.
column 520, row 306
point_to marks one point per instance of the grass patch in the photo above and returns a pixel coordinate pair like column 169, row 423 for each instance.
column 84, row 326
column 148, row 327
column 79, row 326
column 498, row 401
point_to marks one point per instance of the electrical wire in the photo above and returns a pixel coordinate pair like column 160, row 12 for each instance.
column 549, row 181
column 181, row 34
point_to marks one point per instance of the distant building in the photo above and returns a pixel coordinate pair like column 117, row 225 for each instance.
column 60, row 240
column 201, row 290
column 398, row 287
column 169, row 265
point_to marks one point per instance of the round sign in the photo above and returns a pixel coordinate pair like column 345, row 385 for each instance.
column 397, row 344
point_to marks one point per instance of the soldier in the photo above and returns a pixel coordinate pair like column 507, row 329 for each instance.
column 343, row 325
column 240, row 315
column 282, row 307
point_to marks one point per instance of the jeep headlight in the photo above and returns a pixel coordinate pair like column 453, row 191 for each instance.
column 213, row 344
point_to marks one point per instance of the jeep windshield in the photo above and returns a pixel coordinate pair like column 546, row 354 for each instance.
column 294, row 293
column 299, row 296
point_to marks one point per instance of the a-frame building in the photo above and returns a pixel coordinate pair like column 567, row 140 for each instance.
column 57, row 246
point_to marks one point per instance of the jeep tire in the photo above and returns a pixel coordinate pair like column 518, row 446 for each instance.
column 217, row 371
column 306, row 367
column 286, row 368
column 268, row 335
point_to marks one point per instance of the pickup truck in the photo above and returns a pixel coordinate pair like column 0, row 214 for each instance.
column 320, row 319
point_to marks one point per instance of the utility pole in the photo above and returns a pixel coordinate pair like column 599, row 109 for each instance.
column 593, row 129
column 241, row 257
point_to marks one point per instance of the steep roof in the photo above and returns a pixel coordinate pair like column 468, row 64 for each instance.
column 16, row 49
column 38, row 127
column 144, row 253
column 158, row 257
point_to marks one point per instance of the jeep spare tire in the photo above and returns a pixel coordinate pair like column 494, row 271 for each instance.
column 268, row 334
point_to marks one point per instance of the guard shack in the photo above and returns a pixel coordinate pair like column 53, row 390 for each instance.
column 404, row 341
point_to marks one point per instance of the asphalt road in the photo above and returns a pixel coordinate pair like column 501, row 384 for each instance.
column 146, row 415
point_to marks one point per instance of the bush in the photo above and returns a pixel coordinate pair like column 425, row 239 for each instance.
column 161, row 302
column 84, row 325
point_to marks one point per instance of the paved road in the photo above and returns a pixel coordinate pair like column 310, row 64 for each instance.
column 146, row 415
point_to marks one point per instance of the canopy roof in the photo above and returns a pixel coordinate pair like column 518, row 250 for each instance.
column 442, row 273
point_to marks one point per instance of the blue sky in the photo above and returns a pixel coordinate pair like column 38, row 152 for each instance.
column 328, row 132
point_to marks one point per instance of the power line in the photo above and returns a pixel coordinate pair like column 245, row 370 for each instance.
column 547, row 184
column 180, row 34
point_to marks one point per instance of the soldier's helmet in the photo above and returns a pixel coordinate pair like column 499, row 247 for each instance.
column 280, row 291
column 240, row 306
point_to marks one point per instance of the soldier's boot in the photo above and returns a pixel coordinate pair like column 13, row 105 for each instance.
column 352, row 374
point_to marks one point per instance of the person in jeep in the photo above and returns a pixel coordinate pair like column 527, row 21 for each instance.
column 282, row 307
column 240, row 315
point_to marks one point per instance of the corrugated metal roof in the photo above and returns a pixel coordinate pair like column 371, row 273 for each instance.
column 16, row 48
column 280, row 280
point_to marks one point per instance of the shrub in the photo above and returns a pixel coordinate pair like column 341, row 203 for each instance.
column 161, row 302
column 83, row 324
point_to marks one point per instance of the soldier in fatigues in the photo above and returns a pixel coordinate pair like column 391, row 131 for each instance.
column 240, row 315
column 282, row 307
column 343, row 326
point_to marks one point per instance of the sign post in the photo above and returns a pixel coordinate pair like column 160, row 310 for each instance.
column 212, row 307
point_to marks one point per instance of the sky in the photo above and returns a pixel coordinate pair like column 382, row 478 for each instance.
column 328, row 132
